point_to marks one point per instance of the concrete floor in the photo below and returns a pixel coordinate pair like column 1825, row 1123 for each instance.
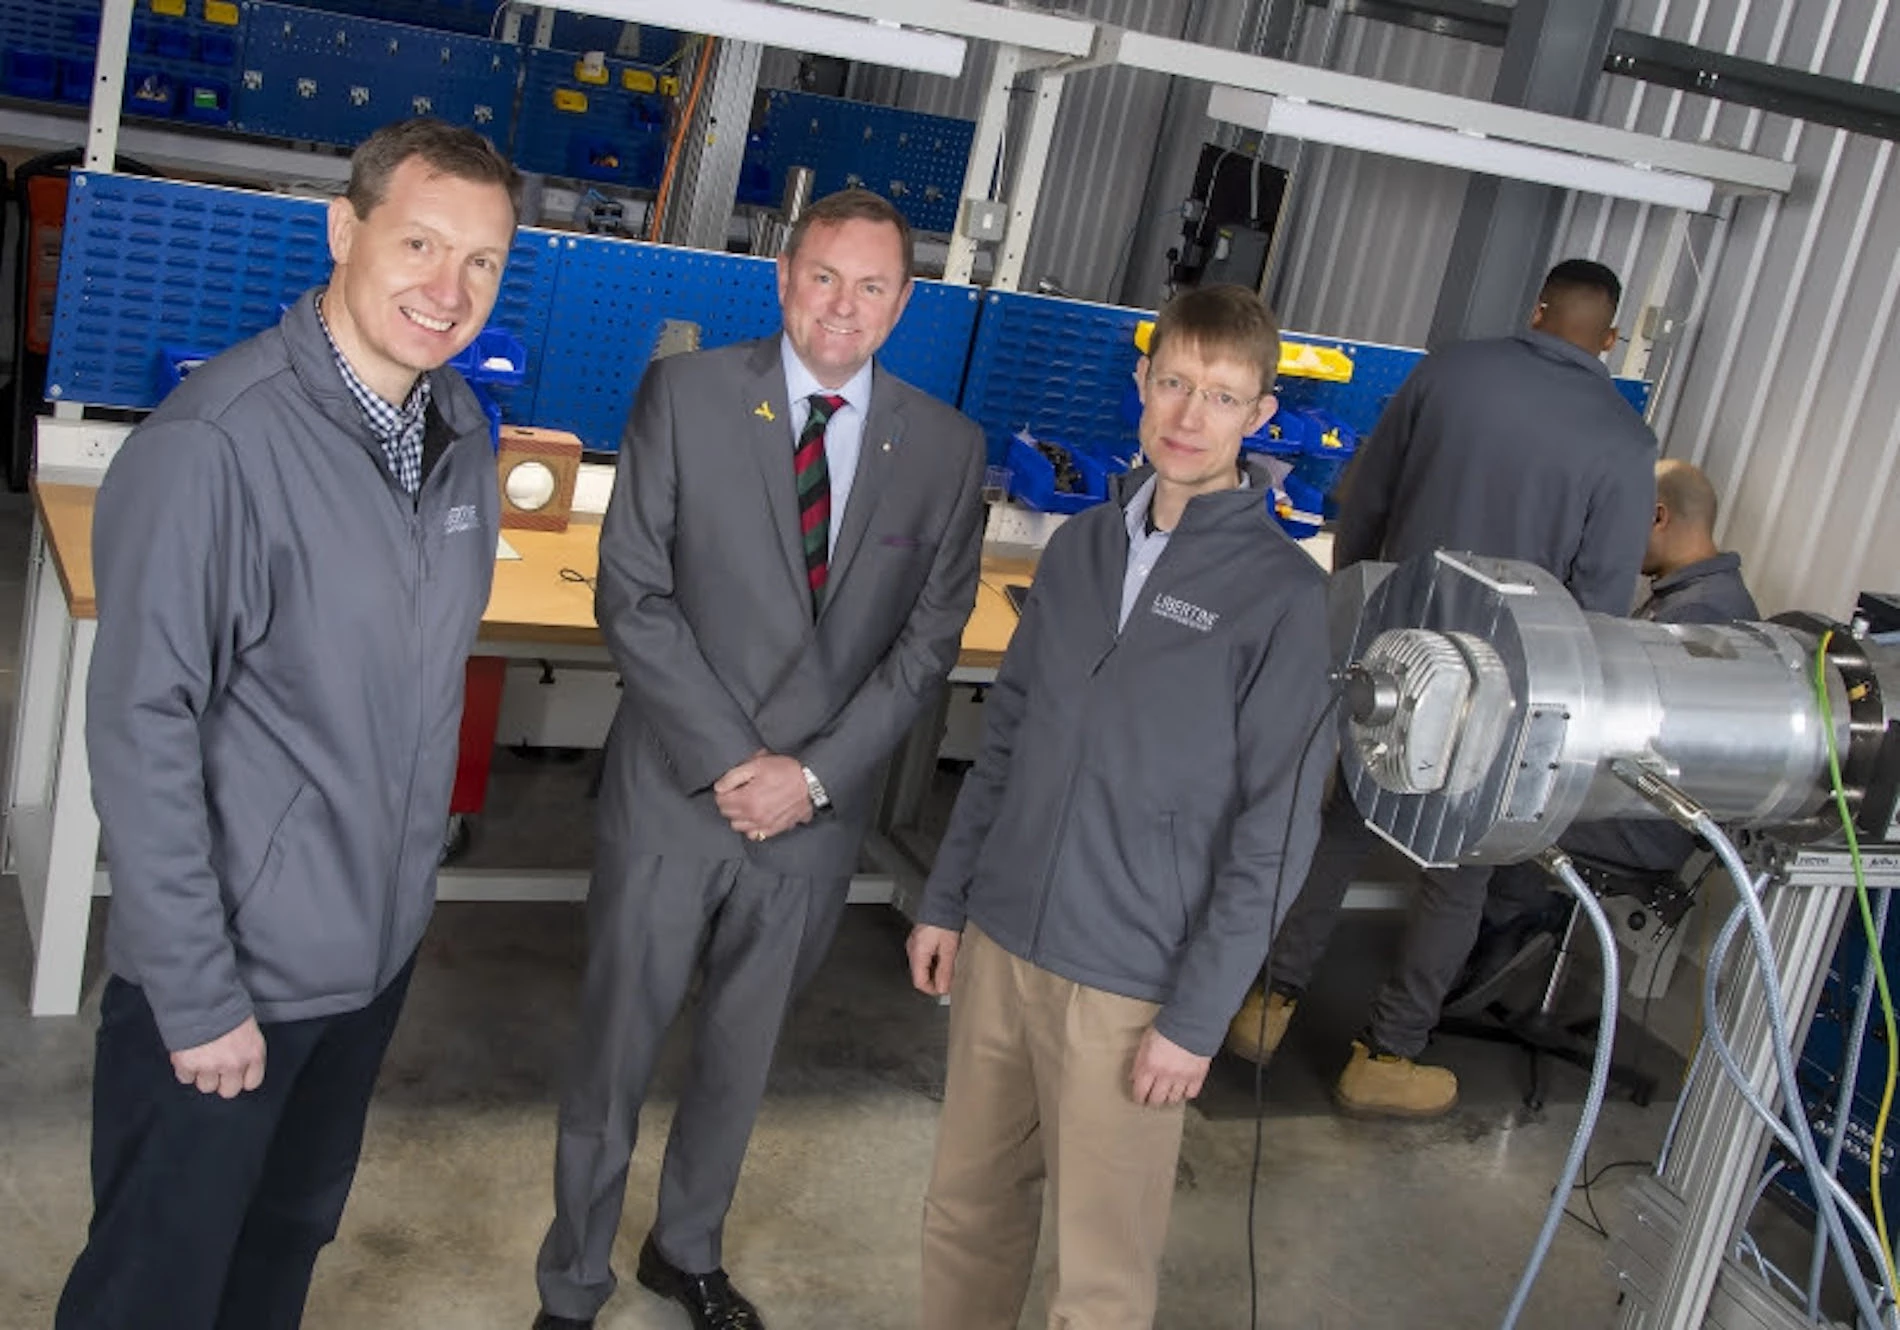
column 1359, row 1226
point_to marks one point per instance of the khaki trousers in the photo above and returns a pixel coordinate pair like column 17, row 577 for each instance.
column 1038, row 1098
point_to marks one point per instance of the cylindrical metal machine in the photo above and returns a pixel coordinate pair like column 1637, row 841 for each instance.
column 1485, row 712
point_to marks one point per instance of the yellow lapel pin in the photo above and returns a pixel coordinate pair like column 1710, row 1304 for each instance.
column 764, row 411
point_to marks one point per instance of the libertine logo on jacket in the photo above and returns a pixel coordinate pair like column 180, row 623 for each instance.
column 1188, row 616
column 461, row 517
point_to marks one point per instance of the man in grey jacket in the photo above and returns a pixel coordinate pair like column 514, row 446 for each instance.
column 1517, row 447
column 293, row 553
column 1139, row 818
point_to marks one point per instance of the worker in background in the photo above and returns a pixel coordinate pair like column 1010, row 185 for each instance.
column 786, row 567
column 1142, row 811
column 1691, row 581
column 1516, row 447
column 293, row 553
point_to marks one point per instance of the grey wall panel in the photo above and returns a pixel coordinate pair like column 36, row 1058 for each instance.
column 1367, row 238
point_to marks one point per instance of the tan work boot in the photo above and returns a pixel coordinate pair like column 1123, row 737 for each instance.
column 1243, row 1032
column 1388, row 1086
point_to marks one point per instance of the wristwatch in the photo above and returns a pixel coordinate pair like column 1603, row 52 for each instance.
column 816, row 789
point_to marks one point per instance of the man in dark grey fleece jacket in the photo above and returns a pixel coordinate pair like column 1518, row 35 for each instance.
column 293, row 554
column 1517, row 447
column 1141, row 815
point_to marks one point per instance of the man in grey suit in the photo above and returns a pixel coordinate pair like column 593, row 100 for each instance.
column 786, row 567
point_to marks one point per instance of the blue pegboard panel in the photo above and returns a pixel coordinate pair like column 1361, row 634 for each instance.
column 1058, row 367
column 335, row 78
column 148, row 264
column 914, row 160
column 609, row 127
column 1054, row 367
column 614, row 295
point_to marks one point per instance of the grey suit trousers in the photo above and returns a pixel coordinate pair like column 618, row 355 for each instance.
column 756, row 938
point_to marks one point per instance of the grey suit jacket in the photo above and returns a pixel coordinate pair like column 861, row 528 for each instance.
column 703, row 602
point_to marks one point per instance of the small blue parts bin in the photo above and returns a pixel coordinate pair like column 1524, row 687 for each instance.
column 1053, row 478
column 496, row 356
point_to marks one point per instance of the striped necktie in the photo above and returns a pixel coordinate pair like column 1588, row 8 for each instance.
column 814, row 494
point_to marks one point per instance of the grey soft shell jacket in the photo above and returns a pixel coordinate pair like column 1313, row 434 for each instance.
column 276, row 689
column 1518, row 447
column 1140, row 819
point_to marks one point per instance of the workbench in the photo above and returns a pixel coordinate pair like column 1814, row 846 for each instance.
column 51, row 835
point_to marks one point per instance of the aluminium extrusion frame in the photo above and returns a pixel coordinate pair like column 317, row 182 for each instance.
column 1675, row 1264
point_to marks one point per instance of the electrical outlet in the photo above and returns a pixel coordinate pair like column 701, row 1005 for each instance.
column 1012, row 526
column 984, row 219
column 77, row 451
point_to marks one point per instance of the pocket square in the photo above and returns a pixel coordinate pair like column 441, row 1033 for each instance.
column 901, row 543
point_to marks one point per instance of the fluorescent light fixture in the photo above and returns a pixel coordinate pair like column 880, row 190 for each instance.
column 792, row 29
column 1449, row 147
column 1033, row 30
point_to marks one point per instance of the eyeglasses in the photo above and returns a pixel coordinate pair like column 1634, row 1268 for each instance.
column 1220, row 403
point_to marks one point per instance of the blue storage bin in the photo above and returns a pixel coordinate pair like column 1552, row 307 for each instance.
column 648, row 114
column 217, row 48
column 150, row 92
column 175, row 364
column 75, row 80
column 1299, row 508
column 1033, row 477
column 172, row 41
column 594, row 158
column 497, row 345
column 206, row 101
column 31, row 74
column 1285, row 434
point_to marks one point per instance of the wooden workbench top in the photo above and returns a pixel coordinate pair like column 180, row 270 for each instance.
column 530, row 601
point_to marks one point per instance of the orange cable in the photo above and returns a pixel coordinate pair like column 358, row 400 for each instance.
column 679, row 141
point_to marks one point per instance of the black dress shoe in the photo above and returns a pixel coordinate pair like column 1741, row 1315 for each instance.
column 549, row 1321
column 710, row 1299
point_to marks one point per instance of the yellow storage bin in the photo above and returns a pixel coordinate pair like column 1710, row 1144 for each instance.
column 1301, row 360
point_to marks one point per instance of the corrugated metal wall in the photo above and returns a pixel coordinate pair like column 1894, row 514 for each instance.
column 1785, row 382
column 1368, row 237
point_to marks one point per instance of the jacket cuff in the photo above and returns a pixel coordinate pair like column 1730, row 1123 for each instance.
column 1179, row 1029
column 942, row 909
column 198, row 1025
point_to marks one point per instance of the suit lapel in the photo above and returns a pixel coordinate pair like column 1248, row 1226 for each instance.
column 877, row 455
column 770, row 436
